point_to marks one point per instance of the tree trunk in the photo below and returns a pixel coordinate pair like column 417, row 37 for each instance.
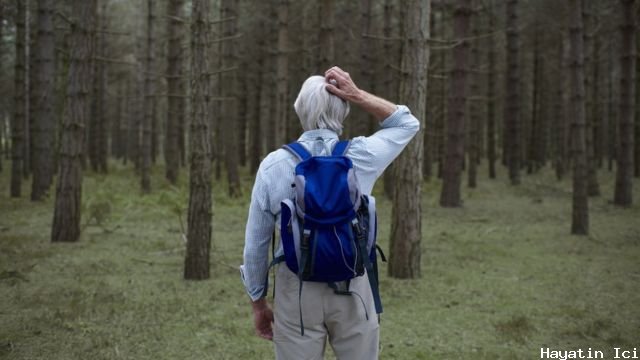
column 431, row 111
column 256, row 138
column 406, row 222
column 3, row 141
column 390, row 86
column 533, row 161
column 491, row 94
column 512, row 95
column 326, row 48
column 45, row 124
column 637, row 106
column 196, row 265
column 230, row 106
column 103, row 120
column 67, row 211
column 623, row 195
column 149, row 94
column 28, row 99
column 452, row 170
column 562, row 111
column 593, row 187
column 474, row 106
column 19, row 120
column 580, row 214
column 282, row 69
column 175, row 89
column 97, row 141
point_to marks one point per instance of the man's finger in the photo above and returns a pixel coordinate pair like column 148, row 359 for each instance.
column 334, row 68
column 339, row 75
column 335, row 91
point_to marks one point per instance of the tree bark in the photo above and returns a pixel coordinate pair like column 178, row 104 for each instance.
column 149, row 94
column 580, row 213
column 19, row 116
column 326, row 48
column 534, row 161
column 637, row 106
column 623, row 195
column 390, row 85
column 97, row 141
column 45, row 123
column 282, row 70
column 175, row 86
column 452, row 170
column 593, row 187
column 474, row 106
column 406, row 223
column 431, row 110
column 512, row 94
column 256, row 138
column 196, row 266
column 28, row 98
column 230, row 106
column 562, row 111
column 491, row 94
column 67, row 211
column 3, row 141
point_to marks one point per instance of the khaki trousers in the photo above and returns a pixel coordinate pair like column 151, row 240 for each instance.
column 341, row 319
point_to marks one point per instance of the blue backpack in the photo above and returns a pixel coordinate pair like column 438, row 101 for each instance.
column 328, row 231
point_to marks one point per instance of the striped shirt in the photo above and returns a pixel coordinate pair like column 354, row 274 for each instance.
column 370, row 156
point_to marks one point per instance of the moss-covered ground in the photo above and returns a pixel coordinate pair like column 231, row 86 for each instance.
column 501, row 277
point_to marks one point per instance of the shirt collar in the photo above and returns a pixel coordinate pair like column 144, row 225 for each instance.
column 311, row 135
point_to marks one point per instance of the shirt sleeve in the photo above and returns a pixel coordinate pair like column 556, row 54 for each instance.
column 258, row 233
column 373, row 154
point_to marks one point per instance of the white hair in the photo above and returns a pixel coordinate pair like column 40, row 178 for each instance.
column 317, row 108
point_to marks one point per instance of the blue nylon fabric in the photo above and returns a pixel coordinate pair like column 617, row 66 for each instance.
column 326, row 193
column 341, row 148
column 287, row 239
column 335, row 254
column 299, row 150
column 329, row 264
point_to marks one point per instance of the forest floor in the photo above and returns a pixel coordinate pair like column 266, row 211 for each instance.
column 501, row 277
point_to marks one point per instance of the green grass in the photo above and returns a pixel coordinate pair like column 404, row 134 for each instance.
column 501, row 277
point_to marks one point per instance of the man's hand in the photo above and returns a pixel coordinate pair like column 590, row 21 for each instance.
column 263, row 319
column 341, row 85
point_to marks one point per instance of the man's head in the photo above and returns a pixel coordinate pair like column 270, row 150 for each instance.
column 319, row 109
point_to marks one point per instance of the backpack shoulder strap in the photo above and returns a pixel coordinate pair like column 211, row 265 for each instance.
column 340, row 149
column 298, row 150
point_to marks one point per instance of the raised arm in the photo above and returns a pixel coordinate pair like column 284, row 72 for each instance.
column 341, row 85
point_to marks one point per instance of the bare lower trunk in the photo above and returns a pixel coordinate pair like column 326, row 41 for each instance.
column 452, row 171
column 580, row 213
column 230, row 106
column 67, row 211
column 44, row 137
column 149, row 93
column 326, row 48
column 623, row 195
column 175, row 90
column 512, row 95
column 474, row 107
column 282, row 81
column 196, row 266
column 406, row 219
column 491, row 83
column 18, row 122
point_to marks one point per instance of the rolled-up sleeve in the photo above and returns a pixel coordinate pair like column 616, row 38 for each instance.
column 373, row 154
column 260, row 227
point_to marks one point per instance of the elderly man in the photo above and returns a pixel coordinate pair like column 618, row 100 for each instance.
column 322, row 105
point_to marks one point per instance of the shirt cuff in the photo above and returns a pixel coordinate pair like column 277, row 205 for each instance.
column 396, row 118
column 254, row 292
